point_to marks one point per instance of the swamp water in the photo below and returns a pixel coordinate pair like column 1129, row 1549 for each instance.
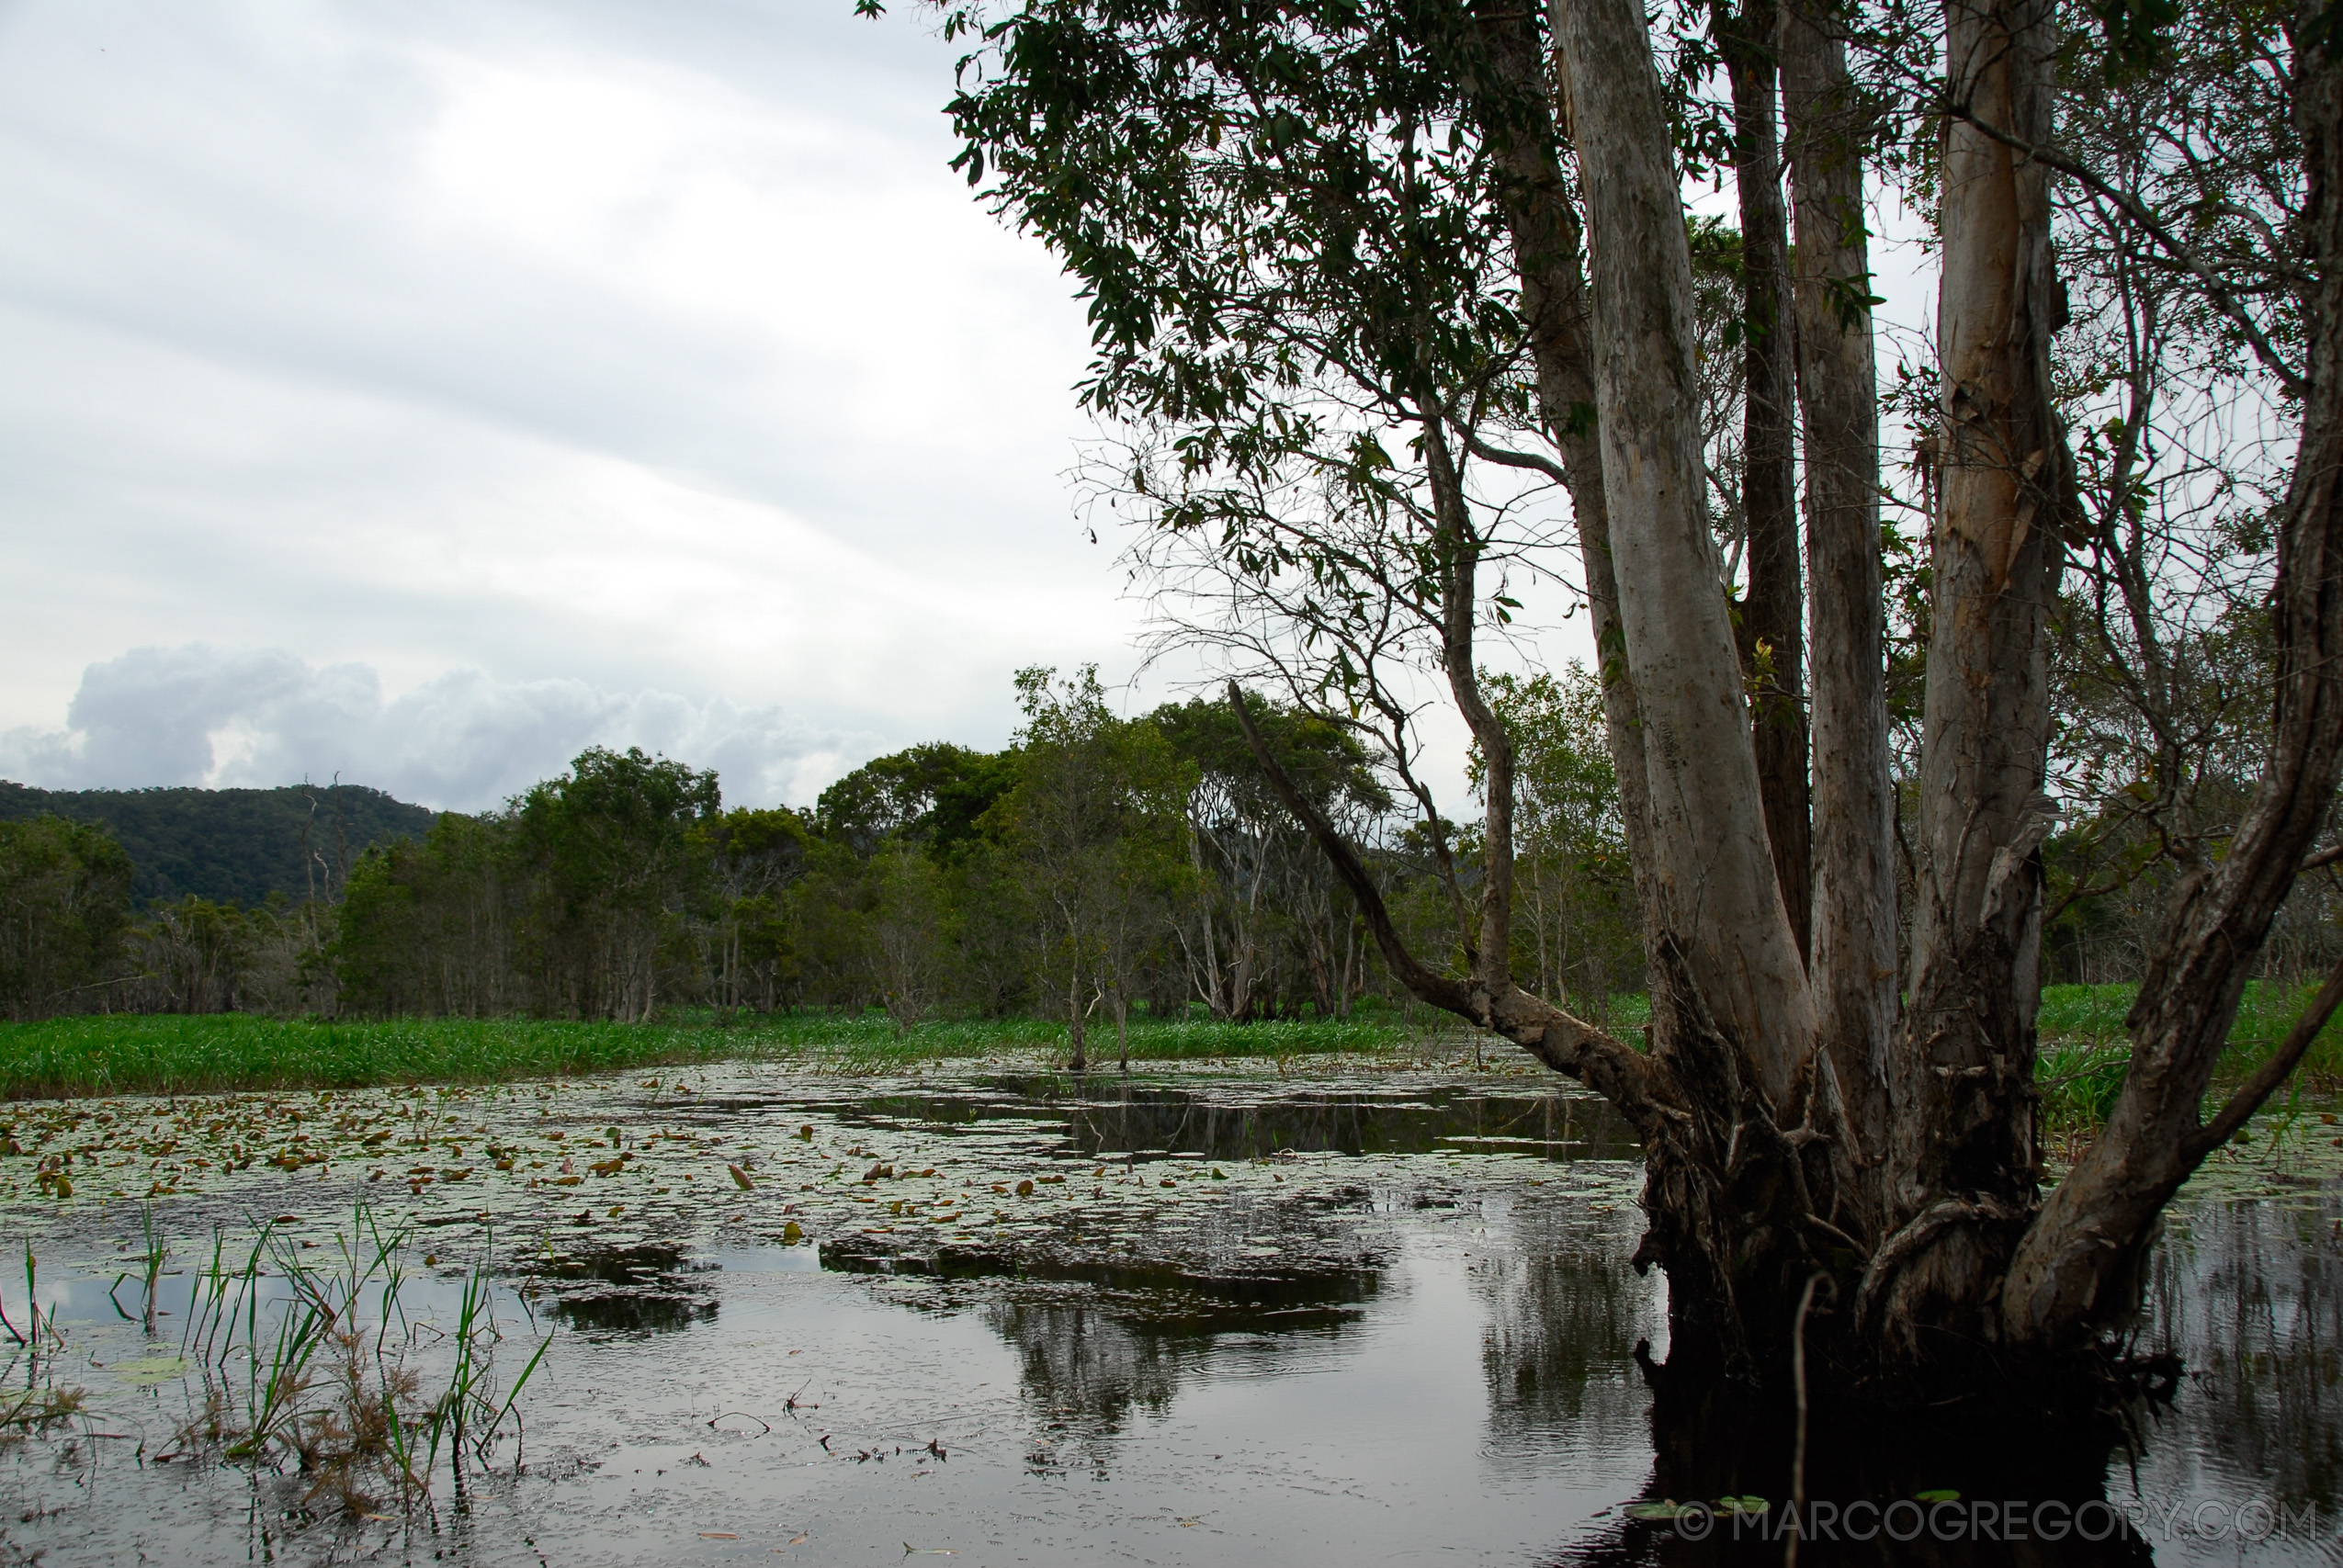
column 1205, row 1317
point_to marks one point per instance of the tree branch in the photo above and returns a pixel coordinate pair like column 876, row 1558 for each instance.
column 2275, row 1071
column 2132, row 207
column 1440, row 990
column 1507, row 458
column 1642, row 1089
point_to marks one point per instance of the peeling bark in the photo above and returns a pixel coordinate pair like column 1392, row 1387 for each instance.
column 1964, row 1128
column 1852, row 960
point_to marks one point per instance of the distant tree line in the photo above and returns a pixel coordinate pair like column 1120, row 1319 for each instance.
column 1097, row 867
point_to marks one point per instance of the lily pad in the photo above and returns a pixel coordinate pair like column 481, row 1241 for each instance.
column 148, row 1371
column 1668, row 1508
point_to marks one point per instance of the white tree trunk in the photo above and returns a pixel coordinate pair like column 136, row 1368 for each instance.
column 1965, row 1076
column 1852, row 960
column 1718, row 905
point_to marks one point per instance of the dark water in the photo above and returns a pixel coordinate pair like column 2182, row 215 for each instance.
column 1405, row 1329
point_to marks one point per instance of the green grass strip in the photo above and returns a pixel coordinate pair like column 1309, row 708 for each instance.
column 137, row 1054
column 2084, row 1051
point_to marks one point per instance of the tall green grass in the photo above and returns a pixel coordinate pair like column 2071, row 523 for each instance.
column 2083, row 1057
column 2094, row 1015
column 2085, row 1050
column 133, row 1054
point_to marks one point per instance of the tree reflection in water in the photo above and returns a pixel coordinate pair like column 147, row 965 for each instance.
column 2249, row 1296
column 1139, row 1119
column 1565, row 1311
column 1084, row 1372
column 1089, row 1358
column 2244, row 1293
column 1238, row 1121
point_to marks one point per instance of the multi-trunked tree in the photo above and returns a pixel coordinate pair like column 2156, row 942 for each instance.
column 1307, row 225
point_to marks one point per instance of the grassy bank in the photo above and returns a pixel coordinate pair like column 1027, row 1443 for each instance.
column 2084, row 1047
column 2085, row 1050
column 127, row 1053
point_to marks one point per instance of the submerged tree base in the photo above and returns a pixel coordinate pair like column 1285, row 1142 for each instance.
column 1867, row 1472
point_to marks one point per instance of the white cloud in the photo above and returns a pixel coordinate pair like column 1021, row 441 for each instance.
column 261, row 717
column 636, row 346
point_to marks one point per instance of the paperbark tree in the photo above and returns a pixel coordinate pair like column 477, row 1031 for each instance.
column 1795, row 1126
column 1852, row 960
column 2072, row 1265
column 1772, row 613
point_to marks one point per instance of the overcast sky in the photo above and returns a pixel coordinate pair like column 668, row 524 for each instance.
column 422, row 390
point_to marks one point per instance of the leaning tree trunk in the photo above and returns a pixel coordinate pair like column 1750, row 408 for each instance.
column 2075, row 1268
column 1962, row 1175
column 1853, row 962
column 1506, row 88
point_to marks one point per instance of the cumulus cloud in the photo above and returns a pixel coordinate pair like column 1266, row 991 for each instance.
column 259, row 716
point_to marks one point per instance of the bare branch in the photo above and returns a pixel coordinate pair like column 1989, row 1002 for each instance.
column 1504, row 458
column 2132, row 206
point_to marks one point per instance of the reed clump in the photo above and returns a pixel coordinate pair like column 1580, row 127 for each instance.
column 324, row 1374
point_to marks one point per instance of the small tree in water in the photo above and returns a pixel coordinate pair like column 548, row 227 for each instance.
column 1575, row 934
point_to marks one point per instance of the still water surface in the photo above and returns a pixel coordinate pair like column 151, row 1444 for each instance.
column 1401, row 1326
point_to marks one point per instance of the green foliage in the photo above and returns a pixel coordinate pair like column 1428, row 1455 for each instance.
column 64, row 902
column 1327, row 763
column 1578, row 932
column 911, row 929
column 2085, row 1050
column 1065, row 873
column 233, row 846
column 196, row 955
column 1242, row 192
column 608, row 851
column 1094, row 825
column 2138, row 33
column 578, row 901
column 934, row 794
column 1301, row 301
column 1267, row 925
column 1100, row 868
column 754, row 858
column 2160, row 777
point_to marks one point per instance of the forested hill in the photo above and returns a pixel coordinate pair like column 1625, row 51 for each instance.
column 230, row 845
